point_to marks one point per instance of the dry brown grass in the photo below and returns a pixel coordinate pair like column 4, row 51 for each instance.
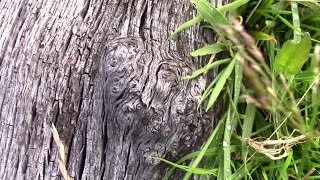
column 62, row 160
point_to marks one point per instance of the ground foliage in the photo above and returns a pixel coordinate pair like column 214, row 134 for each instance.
column 269, row 80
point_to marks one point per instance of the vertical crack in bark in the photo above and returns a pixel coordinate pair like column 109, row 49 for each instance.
column 67, row 43
column 143, row 20
column 127, row 164
column 68, row 151
column 82, row 157
column 104, row 130
column 85, row 8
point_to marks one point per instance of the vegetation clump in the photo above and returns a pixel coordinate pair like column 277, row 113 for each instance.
column 269, row 78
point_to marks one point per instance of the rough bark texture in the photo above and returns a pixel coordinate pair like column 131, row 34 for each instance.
column 105, row 73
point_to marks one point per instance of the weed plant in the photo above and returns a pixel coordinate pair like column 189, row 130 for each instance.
column 270, row 76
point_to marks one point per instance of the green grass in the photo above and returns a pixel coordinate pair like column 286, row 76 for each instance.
column 269, row 75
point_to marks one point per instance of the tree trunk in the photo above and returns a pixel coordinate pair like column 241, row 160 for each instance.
column 106, row 74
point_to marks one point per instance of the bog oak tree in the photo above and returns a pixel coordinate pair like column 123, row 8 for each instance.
column 106, row 74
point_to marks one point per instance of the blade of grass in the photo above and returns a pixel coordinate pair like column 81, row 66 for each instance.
column 261, row 36
column 228, row 7
column 211, row 14
column 206, row 68
column 296, row 22
column 241, row 172
column 190, row 169
column 204, row 149
column 187, row 24
column 264, row 174
column 210, row 152
column 209, row 49
column 232, row 6
column 297, row 31
column 209, row 89
column 267, row 127
column 220, row 84
column 237, row 81
column 232, row 120
column 284, row 167
column 315, row 93
column 247, row 127
column 226, row 145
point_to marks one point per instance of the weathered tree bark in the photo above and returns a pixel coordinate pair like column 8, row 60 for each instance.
column 105, row 73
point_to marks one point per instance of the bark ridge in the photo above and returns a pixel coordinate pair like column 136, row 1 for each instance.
column 110, row 79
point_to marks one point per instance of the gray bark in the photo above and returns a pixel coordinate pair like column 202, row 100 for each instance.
column 105, row 73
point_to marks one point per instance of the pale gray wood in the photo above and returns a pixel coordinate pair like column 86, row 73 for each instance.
column 106, row 74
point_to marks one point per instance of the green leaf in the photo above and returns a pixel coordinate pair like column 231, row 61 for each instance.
column 213, row 151
column 204, row 149
column 187, row 24
column 248, row 122
column 297, row 31
column 209, row 49
column 284, row 169
column 237, row 81
column 211, row 14
column 241, row 172
column 292, row 56
column 207, row 68
column 220, row 84
column 190, row 169
column 226, row 143
column 258, row 35
column 232, row 6
column 307, row 75
column 228, row 7
column 313, row 5
column 209, row 89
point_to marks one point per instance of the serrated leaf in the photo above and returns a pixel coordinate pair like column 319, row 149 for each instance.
column 292, row 56
column 209, row 49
